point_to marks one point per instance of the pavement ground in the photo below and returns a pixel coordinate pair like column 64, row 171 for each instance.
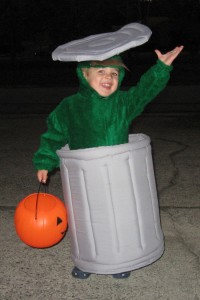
column 45, row 274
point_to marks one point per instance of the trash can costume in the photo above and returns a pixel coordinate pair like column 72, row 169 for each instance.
column 112, row 204
column 107, row 176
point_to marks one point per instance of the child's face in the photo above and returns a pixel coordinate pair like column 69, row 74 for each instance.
column 103, row 80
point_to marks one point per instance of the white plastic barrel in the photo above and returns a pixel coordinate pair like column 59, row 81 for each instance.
column 110, row 193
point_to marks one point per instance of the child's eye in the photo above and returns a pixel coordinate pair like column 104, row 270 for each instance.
column 101, row 71
column 115, row 74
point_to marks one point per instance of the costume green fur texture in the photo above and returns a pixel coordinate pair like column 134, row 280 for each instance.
column 86, row 119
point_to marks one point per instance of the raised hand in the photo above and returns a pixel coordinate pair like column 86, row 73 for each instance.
column 170, row 56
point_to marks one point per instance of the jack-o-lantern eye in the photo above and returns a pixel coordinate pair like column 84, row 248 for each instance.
column 59, row 221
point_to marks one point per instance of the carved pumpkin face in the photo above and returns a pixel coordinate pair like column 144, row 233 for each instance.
column 41, row 220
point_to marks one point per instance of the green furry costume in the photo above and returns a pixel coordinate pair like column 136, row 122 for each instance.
column 86, row 119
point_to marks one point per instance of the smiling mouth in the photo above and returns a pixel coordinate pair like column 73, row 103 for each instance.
column 106, row 85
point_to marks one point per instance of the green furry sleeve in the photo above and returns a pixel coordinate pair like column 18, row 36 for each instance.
column 149, row 86
column 53, row 139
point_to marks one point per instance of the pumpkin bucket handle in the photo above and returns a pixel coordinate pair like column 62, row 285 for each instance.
column 37, row 199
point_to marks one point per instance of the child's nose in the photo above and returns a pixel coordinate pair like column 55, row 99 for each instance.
column 108, row 75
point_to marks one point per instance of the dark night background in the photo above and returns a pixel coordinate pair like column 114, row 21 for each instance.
column 31, row 30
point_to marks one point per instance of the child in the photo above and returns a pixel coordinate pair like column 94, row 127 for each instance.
column 100, row 113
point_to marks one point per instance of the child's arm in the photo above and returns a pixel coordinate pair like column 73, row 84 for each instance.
column 151, row 83
column 46, row 159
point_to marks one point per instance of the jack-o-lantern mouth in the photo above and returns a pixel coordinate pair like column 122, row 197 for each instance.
column 63, row 232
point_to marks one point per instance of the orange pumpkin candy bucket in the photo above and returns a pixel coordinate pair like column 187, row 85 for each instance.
column 40, row 220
